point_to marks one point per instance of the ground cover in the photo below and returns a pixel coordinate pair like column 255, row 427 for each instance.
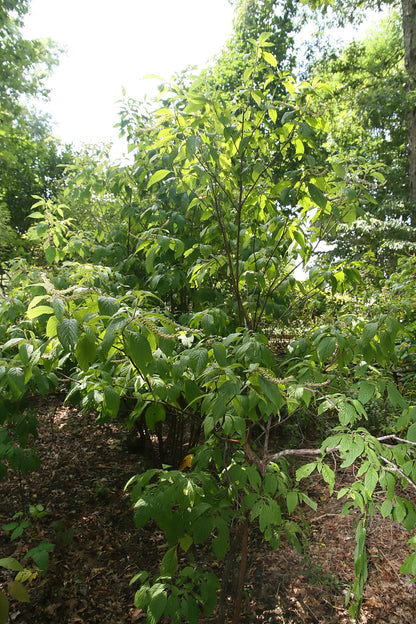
column 97, row 548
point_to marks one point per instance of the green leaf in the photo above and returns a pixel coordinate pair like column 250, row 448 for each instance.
column 68, row 332
column 169, row 563
column 157, row 603
column 365, row 392
column 107, row 306
column 221, row 543
column 141, row 597
column 10, row 563
column 328, row 476
column 411, row 433
column 39, row 311
column 340, row 170
column 18, row 591
column 369, row 332
column 386, row 508
column 85, row 352
column 269, row 58
column 16, row 379
column 139, row 350
column 158, row 176
column 155, row 413
column 352, row 449
column 58, row 308
column 317, row 196
column 409, row 566
column 4, row 608
column 305, row 470
column 198, row 359
column 186, row 542
column 220, row 354
column 264, row 36
column 111, row 401
column 347, row 414
column 50, row 254
column 291, row 501
column 326, row 348
column 370, row 480
column 51, row 327
column 395, row 397
column 192, row 144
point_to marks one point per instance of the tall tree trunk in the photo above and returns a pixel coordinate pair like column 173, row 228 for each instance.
column 409, row 34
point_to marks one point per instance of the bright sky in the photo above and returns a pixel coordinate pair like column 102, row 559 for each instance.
column 110, row 45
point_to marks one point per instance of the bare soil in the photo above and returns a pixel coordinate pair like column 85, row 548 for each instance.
column 98, row 549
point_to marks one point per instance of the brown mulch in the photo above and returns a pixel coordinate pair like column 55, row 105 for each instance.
column 98, row 549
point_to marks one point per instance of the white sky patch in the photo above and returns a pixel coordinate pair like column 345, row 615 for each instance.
column 111, row 45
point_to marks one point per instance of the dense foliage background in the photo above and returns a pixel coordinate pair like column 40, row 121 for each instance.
column 244, row 281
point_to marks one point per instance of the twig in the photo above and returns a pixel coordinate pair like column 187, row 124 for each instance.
column 394, row 437
column 394, row 468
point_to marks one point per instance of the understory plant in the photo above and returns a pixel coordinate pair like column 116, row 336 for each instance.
column 164, row 317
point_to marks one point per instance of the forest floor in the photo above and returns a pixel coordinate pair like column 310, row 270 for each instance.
column 98, row 550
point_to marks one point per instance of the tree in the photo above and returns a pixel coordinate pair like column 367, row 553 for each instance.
column 350, row 10
column 30, row 158
column 366, row 113
column 253, row 17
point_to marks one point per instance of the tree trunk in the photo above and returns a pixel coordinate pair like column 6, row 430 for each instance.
column 409, row 35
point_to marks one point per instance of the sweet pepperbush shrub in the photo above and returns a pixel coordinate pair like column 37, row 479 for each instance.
column 164, row 315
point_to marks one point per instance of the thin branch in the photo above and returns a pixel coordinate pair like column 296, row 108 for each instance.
column 394, row 468
column 394, row 437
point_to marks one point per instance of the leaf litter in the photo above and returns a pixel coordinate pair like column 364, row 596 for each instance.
column 98, row 549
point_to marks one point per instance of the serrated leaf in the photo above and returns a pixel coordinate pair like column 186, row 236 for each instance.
column 139, row 350
column 18, row 591
column 365, row 392
column 220, row 354
column 141, row 597
column 305, row 470
column 169, row 563
column 58, row 308
column 369, row 332
column 192, row 144
column 198, row 359
column 16, row 379
column 50, row 254
column 317, row 196
column 111, row 401
column 157, row 602
column 395, row 397
column 68, row 332
column 107, row 306
column 326, row 348
column 158, row 176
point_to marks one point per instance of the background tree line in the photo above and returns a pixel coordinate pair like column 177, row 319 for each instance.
column 165, row 291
